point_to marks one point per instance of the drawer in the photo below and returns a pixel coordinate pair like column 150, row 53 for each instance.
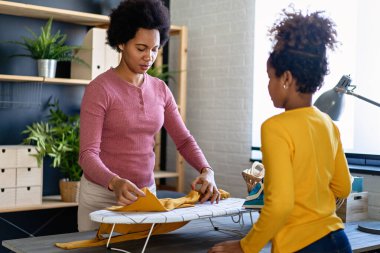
column 8, row 157
column 28, row 195
column 25, row 157
column 29, row 177
column 7, row 197
column 7, row 177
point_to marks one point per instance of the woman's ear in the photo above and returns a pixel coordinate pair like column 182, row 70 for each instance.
column 121, row 47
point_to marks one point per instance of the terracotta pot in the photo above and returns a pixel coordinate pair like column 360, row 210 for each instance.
column 69, row 190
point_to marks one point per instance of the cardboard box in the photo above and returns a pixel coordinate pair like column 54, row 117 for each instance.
column 354, row 208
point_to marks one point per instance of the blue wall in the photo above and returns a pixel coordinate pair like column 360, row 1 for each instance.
column 15, row 116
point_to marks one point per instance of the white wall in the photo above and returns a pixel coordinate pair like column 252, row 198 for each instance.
column 219, row 94
column 220, row 86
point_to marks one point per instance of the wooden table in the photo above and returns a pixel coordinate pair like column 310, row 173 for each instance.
column 197, row 236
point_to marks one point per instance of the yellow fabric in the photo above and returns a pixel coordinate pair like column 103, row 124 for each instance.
column 149, row 203
column 306, row 170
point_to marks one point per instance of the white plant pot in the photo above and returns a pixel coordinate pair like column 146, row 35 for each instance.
column 47, row 67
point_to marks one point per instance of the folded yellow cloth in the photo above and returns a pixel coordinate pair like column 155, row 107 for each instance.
column 149, row 203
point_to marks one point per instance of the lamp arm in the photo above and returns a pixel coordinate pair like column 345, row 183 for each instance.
column 363, row 98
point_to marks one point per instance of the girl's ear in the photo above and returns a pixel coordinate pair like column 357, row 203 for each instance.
column 121, row 47
column 287, row 79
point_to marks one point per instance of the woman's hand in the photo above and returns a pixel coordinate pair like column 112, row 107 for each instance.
column 125, row 191
column 208, row 186
column 228, row 246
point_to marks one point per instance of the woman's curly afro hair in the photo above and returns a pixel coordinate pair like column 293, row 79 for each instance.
column 131, row 15
column 300, row 43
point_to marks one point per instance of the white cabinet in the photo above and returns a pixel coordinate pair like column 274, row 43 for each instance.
column 20, row 176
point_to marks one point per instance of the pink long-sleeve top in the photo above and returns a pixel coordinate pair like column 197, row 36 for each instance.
column 118, row 122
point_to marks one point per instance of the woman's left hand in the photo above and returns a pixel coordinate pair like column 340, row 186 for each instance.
column 208, row 186
column 228, row 246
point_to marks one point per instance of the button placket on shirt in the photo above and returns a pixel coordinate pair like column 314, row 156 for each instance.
column 141, row 99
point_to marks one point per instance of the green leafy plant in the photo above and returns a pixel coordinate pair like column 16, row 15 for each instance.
column 162, row 72
column 47, row 45
column 57, row 138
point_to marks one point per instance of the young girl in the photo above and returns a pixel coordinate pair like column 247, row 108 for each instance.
column 306, row 169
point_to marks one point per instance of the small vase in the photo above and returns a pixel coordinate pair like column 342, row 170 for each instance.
column 47, row 67
column 69, row 190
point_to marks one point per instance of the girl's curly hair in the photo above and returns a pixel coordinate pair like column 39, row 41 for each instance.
column 300, row 43
column 131, row 15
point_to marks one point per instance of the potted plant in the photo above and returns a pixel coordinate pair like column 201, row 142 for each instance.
column 58, row 139
column 47, row 49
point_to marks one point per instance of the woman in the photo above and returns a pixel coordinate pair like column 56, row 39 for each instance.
column 122, row 110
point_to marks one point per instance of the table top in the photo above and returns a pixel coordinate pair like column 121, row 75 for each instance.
column 195, row 237
column 230, row 206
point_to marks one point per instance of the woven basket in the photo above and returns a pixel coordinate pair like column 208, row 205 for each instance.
column 69, row 190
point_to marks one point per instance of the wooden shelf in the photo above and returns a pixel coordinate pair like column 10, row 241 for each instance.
column 15, row 78
column 90, row 19
column 74, row 17
column 42, row 12
column 48, row 202
column 165, row 174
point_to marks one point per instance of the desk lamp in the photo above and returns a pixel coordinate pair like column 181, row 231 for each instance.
column 332, row 103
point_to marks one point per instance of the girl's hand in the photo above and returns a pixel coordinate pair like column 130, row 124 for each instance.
column 208, row 186
column 228, row 246
column 125, row 191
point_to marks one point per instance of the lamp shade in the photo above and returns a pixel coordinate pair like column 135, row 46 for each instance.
column 332, row 103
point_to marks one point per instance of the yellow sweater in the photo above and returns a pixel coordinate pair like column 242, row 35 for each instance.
column 306, row 170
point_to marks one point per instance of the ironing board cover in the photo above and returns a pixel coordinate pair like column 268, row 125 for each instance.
column 230, row 206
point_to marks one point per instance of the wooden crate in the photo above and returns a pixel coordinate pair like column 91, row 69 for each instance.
column 354, row 208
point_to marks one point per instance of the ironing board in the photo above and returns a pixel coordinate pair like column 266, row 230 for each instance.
column 227, row 207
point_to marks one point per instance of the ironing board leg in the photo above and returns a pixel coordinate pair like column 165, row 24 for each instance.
column 116, row 249
column 147, row 239
column 110, row 235
column 109, row 239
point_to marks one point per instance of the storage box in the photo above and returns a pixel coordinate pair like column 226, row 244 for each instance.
column 8, row 157
column 7, row 197
column 355, row 207
column 97, row 53
column 28, row 195
column 29, row 177
column 7, row 177
column 25, row 157
column 357, row 184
